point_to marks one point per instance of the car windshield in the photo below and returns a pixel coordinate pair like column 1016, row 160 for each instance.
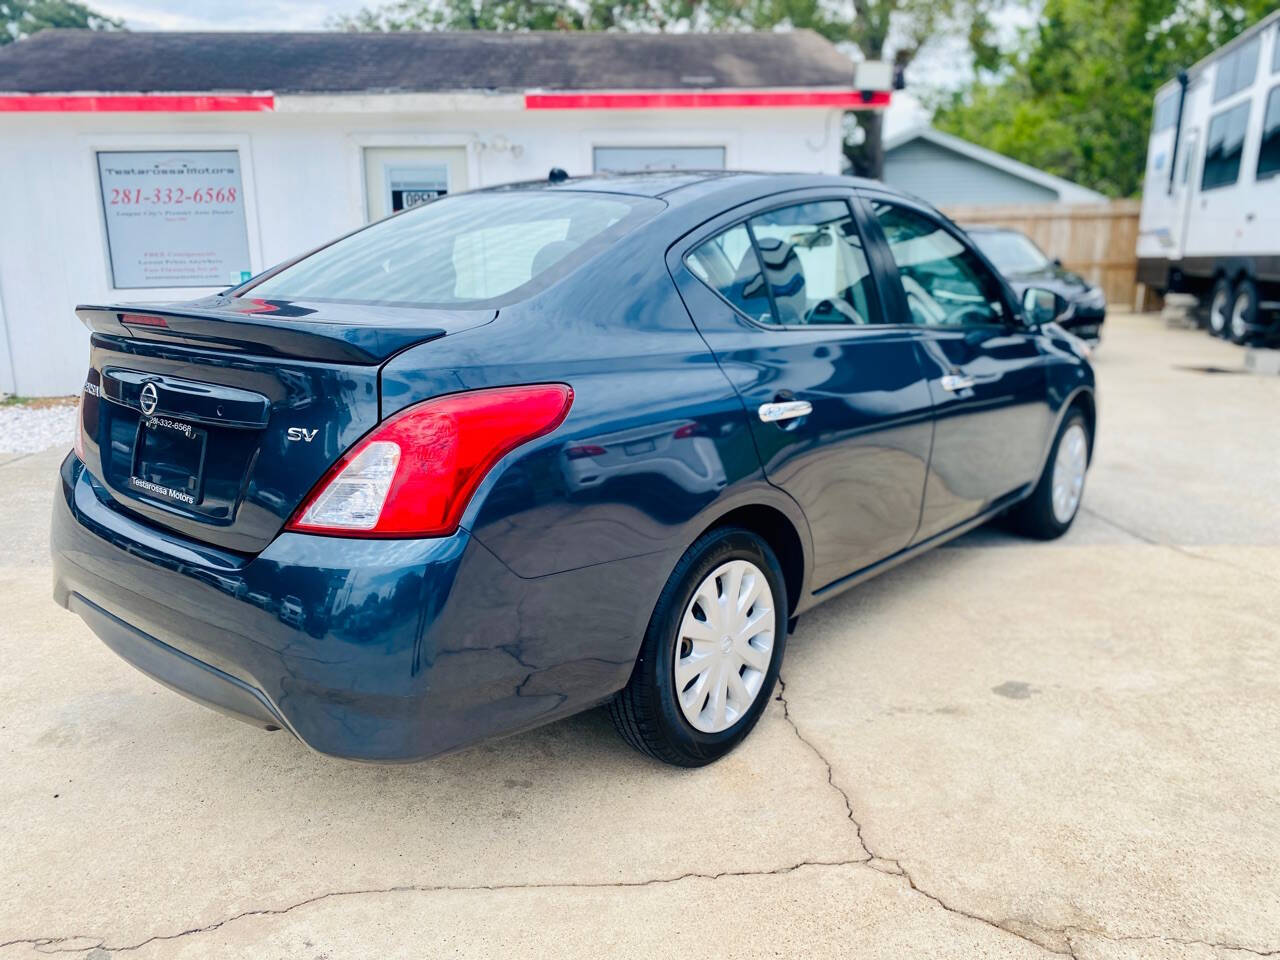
column 466, row 249
column 1011, row 252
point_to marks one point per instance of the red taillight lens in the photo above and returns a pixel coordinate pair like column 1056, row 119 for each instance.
column 78, row 443
column 414, row 474
column 582, row 451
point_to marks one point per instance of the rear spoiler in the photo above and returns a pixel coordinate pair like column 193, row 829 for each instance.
column 356, row 335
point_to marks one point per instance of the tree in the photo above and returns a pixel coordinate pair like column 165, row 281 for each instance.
column 1075, row 98
column 22, row 18
column 897, row 30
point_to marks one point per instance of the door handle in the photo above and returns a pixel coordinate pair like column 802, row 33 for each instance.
column 955, row 382
column 784, row 410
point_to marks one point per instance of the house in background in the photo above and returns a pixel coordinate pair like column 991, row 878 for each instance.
column 948, row 171
column 164, row 166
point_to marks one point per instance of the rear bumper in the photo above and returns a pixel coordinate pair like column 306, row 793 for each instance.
column 368, row 649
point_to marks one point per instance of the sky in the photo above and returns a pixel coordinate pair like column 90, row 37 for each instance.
column 226, row 14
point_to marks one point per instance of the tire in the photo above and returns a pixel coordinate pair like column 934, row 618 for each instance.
column 1039, row 516
column 1219, row 307
column 1243, row 318
column 651, row 712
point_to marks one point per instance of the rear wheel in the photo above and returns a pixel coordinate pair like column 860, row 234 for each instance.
column 1053, row 505
column 1244, row 312
column 1220, row 307
column 711, row 655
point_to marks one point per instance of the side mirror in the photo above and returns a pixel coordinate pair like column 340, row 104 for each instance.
column 1057, row 261
column 1042, row 306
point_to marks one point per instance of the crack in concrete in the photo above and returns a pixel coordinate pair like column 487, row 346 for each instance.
column 1050, row 939
column 95, row 943
column 1176, row 548
column 1057, row 940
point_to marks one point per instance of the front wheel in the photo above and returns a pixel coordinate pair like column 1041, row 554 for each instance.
column 711, row 654
column 1052, row 507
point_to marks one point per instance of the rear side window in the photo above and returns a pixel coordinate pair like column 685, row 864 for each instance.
column 815, row 264
column 469, row 249
column 728, row 264
column 811, row 256
column 1223, row 147
column 1269, row 150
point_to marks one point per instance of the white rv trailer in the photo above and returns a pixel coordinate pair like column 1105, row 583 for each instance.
column 1210, row 221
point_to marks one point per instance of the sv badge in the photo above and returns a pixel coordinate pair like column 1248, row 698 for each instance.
column 300, row 433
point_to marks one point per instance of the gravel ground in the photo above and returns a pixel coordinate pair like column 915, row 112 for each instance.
column 29, row 429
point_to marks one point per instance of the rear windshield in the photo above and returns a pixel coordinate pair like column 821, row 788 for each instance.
column 477, row 249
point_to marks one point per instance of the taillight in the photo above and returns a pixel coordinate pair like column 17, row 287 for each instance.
column 413, row 475
column 78, row 443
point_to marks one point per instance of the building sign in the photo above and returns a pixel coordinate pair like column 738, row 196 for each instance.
column 411, row 186
column 174, row 219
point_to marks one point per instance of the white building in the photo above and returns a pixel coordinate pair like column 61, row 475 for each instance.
column 165, row 166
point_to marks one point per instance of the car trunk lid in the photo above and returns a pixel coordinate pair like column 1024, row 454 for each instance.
column 215, row 418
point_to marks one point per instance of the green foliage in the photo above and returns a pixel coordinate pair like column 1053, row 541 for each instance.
column 21, row 18
column 1075, row 99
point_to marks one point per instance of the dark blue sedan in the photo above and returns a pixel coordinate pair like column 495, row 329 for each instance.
column 524, row 451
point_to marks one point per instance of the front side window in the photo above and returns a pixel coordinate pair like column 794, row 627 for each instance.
column 461, row 249
column 815, row 264
column 1224, row 147
column 1269, row 149
column 944, row 281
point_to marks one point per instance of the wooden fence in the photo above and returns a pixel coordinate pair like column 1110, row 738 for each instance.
column 1097, row 241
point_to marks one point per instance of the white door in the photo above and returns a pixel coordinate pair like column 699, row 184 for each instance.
column 1185, row 188
column 396, row 178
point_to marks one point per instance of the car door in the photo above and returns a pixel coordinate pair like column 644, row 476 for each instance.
column 783, row 293
column 986, row 371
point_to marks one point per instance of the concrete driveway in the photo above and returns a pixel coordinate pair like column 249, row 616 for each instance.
column 1000, row 749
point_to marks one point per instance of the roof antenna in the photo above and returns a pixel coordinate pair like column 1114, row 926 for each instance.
column 557, row 175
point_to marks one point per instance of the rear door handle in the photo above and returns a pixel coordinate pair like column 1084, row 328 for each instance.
column 954, row 382
column 784, row 410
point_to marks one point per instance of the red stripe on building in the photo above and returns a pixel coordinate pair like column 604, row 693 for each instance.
column 137, row 103
column 709, row 99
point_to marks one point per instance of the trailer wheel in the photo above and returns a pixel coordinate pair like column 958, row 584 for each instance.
column 1244, row 312
column 1220, row 307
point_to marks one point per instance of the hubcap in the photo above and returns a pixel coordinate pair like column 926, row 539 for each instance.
column 1218, row 312
column 724, row 646
column 1068, row 472
column 1238, row 327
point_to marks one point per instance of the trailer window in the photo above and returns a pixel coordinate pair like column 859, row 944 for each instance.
column 1269, row 149
column 1237, row 69
column 1166, row 112
column 1223, row 147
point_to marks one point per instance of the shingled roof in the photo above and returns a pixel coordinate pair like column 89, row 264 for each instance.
column 66, row 61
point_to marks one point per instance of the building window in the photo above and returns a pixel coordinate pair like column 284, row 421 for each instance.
column 1223, row 148
column 1237, row 69
column 617, row 159
column 174, row 218
column 1269, row 149
column 1166, row 112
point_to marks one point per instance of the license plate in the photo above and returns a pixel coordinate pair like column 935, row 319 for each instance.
column 168, row 460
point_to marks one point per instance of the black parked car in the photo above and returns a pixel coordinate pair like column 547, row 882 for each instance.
column 1025, row 265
